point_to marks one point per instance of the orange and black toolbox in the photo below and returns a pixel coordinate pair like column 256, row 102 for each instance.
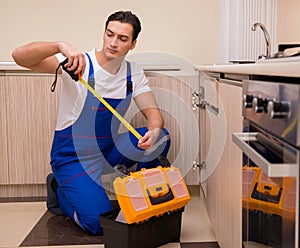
column 152, row 202
column 268, row 207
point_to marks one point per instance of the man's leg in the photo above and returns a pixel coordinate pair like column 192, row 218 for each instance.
column 81, row 197
column 52, row 201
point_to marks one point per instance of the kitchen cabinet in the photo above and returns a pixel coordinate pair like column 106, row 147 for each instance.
column 31, row 114
column 4, row 176
column 28, row 118
column 223, row 175
column 221, row 159
column 174, row 98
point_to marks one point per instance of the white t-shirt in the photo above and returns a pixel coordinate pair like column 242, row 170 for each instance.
column 73, row 94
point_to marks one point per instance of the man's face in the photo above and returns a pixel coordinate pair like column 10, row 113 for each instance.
column 117, row 40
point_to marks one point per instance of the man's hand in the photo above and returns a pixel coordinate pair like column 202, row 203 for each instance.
column 76, row 58
column 148, row 140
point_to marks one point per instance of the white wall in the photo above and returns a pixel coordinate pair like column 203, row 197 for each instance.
column 187, row 28
column 239, row 43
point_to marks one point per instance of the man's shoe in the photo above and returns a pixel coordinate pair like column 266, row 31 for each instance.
column 122, row 170
column 52, row 201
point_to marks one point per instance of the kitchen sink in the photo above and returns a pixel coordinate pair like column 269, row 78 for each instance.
column 288, row 55
column 279, row 60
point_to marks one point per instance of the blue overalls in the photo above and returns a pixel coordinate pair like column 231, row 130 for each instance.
column 82, row 152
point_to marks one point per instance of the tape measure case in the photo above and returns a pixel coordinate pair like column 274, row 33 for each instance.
column 151, row 192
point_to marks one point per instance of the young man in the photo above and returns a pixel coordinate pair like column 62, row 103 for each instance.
column 86, row 141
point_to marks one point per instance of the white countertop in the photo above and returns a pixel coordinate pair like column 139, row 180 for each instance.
column 10, row 66
column 288, row 68
column 278, row 67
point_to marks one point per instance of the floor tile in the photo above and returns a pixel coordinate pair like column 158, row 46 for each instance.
column 17, row 220
column 171, row 245
column 196, row 226
column 54, row 230
column 68, row 246
column 199, row 245
column 30, row 225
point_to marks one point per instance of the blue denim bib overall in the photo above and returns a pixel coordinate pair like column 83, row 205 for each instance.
column 82, row 152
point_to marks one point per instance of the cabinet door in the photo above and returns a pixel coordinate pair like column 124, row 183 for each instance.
column 174, row 98
column 224, row 184
column 212, row 126
column 4, row 179
column 31, row 118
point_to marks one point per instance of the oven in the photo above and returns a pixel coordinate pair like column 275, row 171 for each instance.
column 270, row 171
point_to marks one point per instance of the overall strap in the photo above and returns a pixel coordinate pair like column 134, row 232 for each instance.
column 129, row 82
column 91, row 79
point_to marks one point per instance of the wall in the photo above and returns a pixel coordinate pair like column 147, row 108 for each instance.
column 237, row 42
column 288, row 21
column 187, row 28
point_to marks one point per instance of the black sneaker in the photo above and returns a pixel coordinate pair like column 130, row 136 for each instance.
column 122, row 170
column 52, row 201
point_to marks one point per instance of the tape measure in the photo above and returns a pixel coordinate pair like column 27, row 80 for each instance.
column 77, row 77
column 111, row 109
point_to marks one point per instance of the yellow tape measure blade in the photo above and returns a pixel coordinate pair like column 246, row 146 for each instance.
column 111, row 109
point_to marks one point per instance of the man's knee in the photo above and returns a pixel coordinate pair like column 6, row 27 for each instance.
column 90, row 223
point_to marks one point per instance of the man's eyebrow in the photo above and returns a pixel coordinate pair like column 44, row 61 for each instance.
column 121, row 35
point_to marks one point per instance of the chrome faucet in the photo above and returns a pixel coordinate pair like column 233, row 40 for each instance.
column 267, row 38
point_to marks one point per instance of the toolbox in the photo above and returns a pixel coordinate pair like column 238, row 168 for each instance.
column 268, row 208
column 151, row 202
column 151, row 192
column 271, row 196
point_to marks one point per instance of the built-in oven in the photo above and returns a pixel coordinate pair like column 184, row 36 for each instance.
column 270, row 144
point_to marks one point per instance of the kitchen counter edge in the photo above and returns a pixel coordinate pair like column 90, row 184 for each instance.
column 286, row 69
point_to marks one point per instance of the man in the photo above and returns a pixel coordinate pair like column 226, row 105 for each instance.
column 86, row 141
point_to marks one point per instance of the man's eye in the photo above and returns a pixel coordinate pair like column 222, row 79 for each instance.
column 124, row 39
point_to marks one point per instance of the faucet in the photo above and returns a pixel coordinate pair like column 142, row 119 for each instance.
column 267, row 38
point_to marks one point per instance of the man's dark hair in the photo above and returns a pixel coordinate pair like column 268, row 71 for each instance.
column 126, row 17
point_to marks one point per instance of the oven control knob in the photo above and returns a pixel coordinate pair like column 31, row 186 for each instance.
column 258, row 105
column 279, row 110
column 248, row 100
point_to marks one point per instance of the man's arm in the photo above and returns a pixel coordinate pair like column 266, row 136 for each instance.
column 147, row 104
column 40, row 56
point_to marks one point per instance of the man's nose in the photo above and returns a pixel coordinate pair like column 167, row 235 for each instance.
column 114, row 41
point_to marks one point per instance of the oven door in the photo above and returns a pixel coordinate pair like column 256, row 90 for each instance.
column 270, row 189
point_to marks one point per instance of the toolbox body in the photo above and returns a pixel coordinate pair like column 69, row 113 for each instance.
column 151, row 192
column 152, row 233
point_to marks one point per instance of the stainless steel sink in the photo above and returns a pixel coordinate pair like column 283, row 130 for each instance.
column 279, row 60
column 288, row 55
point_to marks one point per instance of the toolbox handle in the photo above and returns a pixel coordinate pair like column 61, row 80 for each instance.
column 267, row 198
column 158, row 200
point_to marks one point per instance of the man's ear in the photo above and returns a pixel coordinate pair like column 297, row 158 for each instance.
column 133, row 45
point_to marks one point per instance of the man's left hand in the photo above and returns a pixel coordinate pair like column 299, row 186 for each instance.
column 148, row 140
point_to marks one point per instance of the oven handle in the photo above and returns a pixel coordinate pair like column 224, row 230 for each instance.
column 270, row 169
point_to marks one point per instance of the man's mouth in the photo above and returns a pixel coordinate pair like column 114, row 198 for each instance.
column 112, row 50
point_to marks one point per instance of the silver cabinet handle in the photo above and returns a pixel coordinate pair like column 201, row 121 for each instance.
column 270, row 169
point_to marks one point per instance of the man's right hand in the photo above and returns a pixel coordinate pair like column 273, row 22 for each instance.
column 76, row 58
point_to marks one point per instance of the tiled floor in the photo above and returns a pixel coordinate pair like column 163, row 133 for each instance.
column 29, row 224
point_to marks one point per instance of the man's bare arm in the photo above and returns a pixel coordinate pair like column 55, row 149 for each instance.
column 147, row 104
column 40, row 56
